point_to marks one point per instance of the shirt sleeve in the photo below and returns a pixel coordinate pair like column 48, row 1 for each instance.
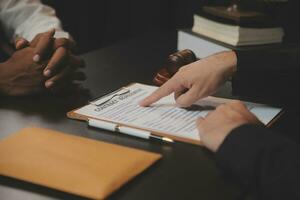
column 27, row 18
column 263, row 162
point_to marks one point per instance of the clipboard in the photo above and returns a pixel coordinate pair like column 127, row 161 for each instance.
column 74, row 115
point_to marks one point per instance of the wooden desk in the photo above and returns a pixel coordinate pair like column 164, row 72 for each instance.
column 185, row 172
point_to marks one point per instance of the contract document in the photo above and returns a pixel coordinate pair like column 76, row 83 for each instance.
column 163, row 117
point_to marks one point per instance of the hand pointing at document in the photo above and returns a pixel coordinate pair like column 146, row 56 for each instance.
column 196, row 80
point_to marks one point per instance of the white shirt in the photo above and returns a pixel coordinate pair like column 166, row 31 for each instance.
column 27, row 18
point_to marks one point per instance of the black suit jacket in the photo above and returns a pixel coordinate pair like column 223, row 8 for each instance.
column 266, row 163
column 272, row 76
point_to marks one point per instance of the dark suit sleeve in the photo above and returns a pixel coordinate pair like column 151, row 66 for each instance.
column 265, row 163
column 268, row 74
column 270, row 77
column 283, row 58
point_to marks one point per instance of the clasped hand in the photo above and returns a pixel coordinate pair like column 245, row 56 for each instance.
column 44, row 63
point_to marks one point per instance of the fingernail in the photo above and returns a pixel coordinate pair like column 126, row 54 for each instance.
column 36, row 58
column 142, row 102
column 47, row 72
column 48, row 84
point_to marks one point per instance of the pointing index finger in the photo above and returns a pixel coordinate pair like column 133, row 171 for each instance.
column 161, row 92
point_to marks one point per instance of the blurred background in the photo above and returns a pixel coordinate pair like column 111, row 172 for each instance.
column 98, row 23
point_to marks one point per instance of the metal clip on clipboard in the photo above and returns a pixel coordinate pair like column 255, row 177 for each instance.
column 108, row 97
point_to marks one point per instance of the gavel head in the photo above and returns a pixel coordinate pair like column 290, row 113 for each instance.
column 172, row 65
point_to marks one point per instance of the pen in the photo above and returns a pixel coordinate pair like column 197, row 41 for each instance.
column 126, row 130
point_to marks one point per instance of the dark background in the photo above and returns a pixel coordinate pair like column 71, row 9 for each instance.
column 98, row 23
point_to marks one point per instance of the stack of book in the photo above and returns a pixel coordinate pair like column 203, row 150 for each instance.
column 215, row 30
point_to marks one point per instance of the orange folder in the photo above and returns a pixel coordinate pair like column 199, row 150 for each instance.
column 70, row 163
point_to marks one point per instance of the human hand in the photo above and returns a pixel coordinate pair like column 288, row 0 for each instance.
column 196, row 80
column 214, row 128
column 19, row 75
column 62, row 65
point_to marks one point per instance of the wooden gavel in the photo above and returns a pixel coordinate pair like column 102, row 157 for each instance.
column 172, row 65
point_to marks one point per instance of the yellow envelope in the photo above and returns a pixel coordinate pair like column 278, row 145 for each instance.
column 70, row 163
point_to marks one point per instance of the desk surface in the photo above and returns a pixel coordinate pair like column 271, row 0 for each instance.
column 185, row 172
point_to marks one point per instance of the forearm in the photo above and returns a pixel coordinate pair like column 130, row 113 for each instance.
column 262, row 161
